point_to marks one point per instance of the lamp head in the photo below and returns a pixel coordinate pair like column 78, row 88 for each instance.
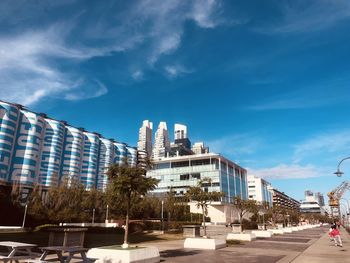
column 338, row 173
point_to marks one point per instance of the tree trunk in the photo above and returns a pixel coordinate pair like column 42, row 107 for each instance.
column 240, row 221
column 204, row 226
column 126, row 233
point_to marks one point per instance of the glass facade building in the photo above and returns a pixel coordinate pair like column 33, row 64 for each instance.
column 179, row 173
column 35, row 149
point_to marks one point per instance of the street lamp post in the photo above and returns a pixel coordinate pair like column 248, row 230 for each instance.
column 338, row 172
column 93, row 215
column 24, row 216
column 107, row 214
column 162, row 215
column 346, row 215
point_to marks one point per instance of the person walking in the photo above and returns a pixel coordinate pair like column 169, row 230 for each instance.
column 335, row 234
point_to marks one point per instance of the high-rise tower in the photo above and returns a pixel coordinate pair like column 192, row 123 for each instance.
column 180, row 131
column 161, row 141
column 145, row 138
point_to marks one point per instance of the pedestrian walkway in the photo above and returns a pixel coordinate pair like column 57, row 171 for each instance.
column 323, row 250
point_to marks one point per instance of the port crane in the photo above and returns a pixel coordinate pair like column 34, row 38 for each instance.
column 334, row 198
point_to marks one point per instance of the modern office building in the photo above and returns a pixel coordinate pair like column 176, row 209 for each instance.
column 258, row 189
column 320, row 198
column 199, row 148
column 181, row 144
column 178, row 173
column 282, row 200
column 35, row 149
column 312, row 203
column 180, row 131
column 145, row 138
column 161, row 146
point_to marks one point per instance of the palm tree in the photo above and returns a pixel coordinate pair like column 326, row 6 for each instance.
column 129, row 183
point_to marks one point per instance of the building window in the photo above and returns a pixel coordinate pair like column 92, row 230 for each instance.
column 180, row 164
column 196, row 175
column 184, row 177
column 200, row 162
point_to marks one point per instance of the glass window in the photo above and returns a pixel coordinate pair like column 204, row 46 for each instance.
column 184, row 177
column 200, row 162
column 180, row 164
column 196, row 175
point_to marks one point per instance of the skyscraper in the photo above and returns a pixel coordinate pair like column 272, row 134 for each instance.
column 180, row 131
column 145, row 138
column 161, row 141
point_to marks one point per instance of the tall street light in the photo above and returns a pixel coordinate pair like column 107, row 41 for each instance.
column 93, row 215
column 107, row 214
column 24, row 216
column 162, row 215
column 338, row 172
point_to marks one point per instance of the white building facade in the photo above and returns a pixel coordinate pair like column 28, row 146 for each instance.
column 258, row 189
column 145, row 138
column 161, row 146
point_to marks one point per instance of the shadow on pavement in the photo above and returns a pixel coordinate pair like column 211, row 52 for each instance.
column 177, row 253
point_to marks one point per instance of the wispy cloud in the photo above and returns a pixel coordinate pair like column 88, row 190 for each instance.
column 308, row 96
column 330, row 144
column 176, row 70
column 235, row 145
column 284, row 171
column 166, row 21
column 29, row 71
column 31, row 58
column 137, row 75
column 304, row 16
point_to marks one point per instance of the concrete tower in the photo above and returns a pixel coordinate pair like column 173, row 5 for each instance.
column 145, row 138
column 161, row 141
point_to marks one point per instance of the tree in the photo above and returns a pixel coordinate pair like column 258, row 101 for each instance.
column 203, row 198
column 129, row 183
column 64, row 203
column 243, row 207
column 35, row 202
column 275, row 213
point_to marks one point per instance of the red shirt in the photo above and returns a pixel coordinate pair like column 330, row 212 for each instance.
column 335, row 232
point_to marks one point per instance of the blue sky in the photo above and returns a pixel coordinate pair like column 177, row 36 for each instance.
column 265, row 83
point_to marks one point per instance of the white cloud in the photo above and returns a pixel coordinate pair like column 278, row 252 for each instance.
column 166, row 21
column 28, row 71
column 284, row 171
column 137, row 75
column 176, row 70
column 331, row 144
column 30, row 60
column 309, row 96
column 305, row 16
column 202, row 13
column 235, row 145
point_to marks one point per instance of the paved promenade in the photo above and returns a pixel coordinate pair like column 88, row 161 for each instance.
column 324, row 251
column 306, row 246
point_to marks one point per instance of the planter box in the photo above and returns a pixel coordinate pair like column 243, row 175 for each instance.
column 204, row 243
column 277, row 231
column 191, row 230
column 262, row 233
column 262, row 226
column 240, row 236
column 236, row 228
column 119, row 255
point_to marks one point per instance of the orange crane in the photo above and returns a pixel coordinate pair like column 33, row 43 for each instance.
column 335, row 196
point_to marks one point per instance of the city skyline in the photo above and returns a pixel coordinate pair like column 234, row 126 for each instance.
column 263, row 83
